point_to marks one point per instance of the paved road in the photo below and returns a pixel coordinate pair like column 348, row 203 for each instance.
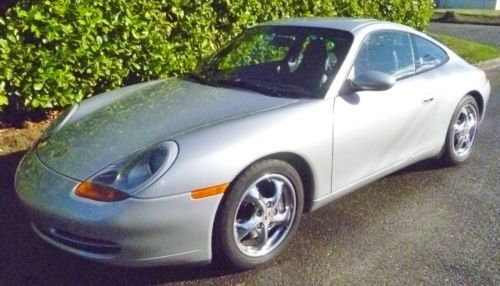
column 425, row 225
column 480, row 33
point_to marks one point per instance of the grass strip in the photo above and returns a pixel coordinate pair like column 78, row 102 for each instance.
column 473, row 52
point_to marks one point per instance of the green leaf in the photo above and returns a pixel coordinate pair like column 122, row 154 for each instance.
column 38, row 86
column 3, row 43
column 4, row 100
column 11, row 38
column 38, row 16
column 7, row 73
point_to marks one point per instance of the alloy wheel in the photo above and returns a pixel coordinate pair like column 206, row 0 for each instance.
column 265, row 215
column 464, row 130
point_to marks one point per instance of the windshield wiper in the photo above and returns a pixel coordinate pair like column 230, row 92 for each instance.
column 250, row 85
column 294, row 89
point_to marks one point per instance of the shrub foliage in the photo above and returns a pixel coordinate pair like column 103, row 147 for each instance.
column 57, row 52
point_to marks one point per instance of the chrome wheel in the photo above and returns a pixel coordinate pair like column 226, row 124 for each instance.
column 464, row 130
column 264, row 215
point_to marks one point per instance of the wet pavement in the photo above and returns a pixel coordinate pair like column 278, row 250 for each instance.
column 427, row 224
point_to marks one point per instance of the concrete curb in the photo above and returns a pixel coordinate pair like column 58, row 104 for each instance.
column 489, row 64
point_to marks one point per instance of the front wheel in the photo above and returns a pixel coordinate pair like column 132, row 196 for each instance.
column 259, row 214
column 462, row 131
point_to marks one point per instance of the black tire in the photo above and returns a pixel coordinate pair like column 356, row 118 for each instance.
column 228, row 248
column 450, row 154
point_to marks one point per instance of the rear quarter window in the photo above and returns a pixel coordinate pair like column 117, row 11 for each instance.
column 428, row 55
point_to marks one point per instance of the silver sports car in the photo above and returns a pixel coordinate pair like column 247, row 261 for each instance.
column 221, row 163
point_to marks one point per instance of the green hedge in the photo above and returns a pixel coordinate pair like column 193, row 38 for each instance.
column 57, row 52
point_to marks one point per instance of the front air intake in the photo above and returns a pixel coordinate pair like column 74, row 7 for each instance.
column 81, row 243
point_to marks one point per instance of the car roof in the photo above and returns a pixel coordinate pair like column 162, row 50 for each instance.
column 346, row 24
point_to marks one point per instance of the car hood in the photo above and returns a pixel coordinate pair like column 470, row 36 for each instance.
column 116, row 125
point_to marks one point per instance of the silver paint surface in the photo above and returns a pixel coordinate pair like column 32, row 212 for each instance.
column 130, row 223
column 149, row 114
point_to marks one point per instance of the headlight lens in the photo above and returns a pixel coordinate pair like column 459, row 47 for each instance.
column 129, row 175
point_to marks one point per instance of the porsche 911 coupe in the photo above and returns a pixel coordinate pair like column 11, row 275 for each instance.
column 220, row 164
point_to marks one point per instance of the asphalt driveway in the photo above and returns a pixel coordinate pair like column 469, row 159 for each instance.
column 427, row 225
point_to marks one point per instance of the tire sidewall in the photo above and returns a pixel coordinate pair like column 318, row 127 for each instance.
column 225, row 244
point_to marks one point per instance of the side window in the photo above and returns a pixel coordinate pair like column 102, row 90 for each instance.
column 429, row 55
column 390, row 52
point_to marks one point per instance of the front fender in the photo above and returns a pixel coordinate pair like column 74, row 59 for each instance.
column 218, row 153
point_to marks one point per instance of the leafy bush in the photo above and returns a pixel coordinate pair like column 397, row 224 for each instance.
column 57, row 52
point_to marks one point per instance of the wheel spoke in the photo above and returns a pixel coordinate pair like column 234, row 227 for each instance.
column 466, row 114
column 466, row 141
column 278, row 193
column 263, row 236
column 458, row 128
column 244, row 228
column 256, row 197
column 460, row 142
column 280, row 218
column 471, row 124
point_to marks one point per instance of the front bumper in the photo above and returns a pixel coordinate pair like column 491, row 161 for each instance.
column 485, row 92
column 134, row 232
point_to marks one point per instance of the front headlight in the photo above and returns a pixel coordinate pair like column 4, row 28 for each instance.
column 129, row 175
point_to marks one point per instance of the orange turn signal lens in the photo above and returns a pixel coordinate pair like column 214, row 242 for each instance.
column 208, row 192
column 98, row 192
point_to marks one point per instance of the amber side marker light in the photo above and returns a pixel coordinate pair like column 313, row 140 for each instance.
column 98, row 192
column 208, row 192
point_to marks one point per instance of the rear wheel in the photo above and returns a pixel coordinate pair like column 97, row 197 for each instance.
column 259, row 214
column 462, row 131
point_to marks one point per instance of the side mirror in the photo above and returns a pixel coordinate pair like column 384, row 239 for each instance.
column 373, row 80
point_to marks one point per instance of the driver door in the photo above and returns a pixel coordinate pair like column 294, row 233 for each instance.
column 374, row 130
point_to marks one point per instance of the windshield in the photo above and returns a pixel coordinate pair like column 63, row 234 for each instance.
column 279, row 61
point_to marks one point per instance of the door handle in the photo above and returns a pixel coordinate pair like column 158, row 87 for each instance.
column 428, row 99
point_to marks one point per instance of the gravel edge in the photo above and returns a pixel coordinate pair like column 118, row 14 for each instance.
column 489, row 64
